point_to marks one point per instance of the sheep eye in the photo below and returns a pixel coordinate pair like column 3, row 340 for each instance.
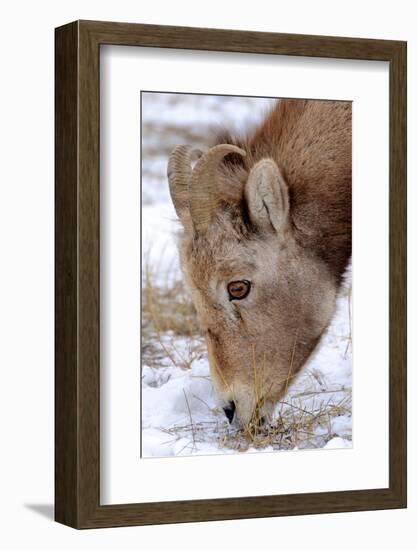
column 238, row 289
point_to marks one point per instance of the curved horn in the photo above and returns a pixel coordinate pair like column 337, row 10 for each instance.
column 179, row 174
column 203, row 198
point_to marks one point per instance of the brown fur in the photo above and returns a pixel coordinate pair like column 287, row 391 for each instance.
column 291, row 238
column 311, row 142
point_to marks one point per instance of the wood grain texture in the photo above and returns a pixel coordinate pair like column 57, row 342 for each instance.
column 398, row 274
column 66, row 238
column 77, row 404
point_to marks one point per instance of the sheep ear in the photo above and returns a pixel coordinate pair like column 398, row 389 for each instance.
column 267, row 196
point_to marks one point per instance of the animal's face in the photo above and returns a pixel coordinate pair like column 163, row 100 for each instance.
column 262, row 301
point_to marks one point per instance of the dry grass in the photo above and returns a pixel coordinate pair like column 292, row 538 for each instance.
column 167, row 313
column 302, row 420
column 167, row 307
column 298, row 425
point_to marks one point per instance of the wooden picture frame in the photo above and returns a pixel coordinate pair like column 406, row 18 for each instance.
column 77, row 372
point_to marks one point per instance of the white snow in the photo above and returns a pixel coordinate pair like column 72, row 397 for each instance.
column 180, row 413
column 338, row 443
column 159, row 227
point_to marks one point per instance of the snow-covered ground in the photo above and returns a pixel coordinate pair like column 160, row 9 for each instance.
column 180, row 413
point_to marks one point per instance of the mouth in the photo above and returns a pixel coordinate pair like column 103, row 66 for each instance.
column 229, row 411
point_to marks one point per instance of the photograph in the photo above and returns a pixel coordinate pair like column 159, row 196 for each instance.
column 246, row 274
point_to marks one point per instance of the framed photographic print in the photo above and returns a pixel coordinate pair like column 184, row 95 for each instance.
column 230, row 274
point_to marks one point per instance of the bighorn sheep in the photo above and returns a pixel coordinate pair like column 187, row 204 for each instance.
column 266, row 241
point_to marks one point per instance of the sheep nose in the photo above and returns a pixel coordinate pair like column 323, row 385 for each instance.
column 229, row 411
